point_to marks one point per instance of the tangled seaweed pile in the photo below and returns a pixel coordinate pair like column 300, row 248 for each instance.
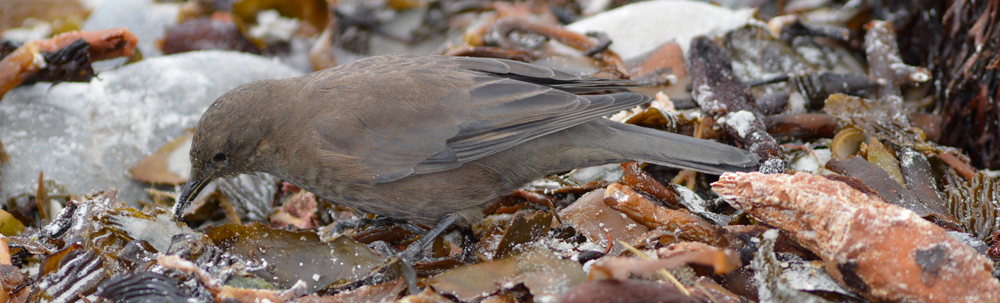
column 876, row 123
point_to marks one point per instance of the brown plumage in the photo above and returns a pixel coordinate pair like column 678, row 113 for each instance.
column 420, row 137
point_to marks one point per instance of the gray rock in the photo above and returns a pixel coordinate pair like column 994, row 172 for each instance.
column 85, row 136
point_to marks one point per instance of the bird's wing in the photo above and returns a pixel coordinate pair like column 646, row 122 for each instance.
column 454, row 110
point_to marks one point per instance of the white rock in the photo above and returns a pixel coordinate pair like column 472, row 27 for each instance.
column 640, row 27
column 85, row 136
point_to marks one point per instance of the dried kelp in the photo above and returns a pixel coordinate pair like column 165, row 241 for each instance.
column 880, row 181
column 600, row 223
column 287, row 252
column 625, row 291
column 251, row 195
column 976, row 204
column 882, row 120
column 645, row 212
column 539, row 243
column 139, row 287
column 960, row 41
column 885, row 63
column 206, row 34
column 639, row 179
column 10, row 226
column 919, row 176
column 13, row 284
column 73, row 63
column 676, row 255
column 540, row 271
column 313, row 12
column 64, row 15
column 78, row 274
column 801, row 126
column 880, row 250
column 767, row 270
column 724, row 96
column 523, row 229
column 68, row 64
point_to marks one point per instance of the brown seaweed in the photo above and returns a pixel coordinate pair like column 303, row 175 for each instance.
column 721, row 94
column 974, row 204
column 960, row 45
column 871, row 247
column 886, row 121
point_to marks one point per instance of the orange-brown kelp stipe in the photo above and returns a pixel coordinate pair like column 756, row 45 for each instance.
column 884, row 252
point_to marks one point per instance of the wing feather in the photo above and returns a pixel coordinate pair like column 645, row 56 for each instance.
column 440, row 112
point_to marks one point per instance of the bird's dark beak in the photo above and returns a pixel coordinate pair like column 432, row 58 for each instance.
column 194, row 186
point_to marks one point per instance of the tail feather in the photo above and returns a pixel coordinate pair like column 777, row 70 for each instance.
column 669, row 149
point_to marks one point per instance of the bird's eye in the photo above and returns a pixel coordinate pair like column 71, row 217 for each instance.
column 219, row 157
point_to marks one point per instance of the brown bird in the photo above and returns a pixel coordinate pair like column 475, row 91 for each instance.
column 423, row 138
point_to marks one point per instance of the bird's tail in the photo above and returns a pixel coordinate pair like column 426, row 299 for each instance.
column 673, row 150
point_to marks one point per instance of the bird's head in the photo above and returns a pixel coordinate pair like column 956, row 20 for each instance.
column 228, row 140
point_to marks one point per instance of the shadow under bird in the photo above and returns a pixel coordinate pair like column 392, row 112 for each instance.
column 431, row 139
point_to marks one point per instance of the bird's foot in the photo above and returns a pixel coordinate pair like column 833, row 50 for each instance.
column 414, row 252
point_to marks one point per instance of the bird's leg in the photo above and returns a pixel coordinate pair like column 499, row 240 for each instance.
column 412, row 252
